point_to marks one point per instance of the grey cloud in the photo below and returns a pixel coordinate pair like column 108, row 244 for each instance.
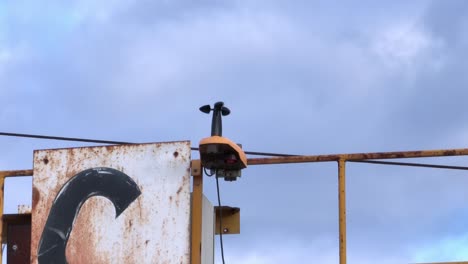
column 296, row 82
column 433, row 110
column 447, row 20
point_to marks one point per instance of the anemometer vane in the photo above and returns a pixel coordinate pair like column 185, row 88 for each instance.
column 220, row 154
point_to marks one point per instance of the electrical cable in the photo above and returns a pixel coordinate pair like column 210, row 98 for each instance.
column 213, row 172
column 220, row 220
column 269, row 154
column 410, row 164
column 100, row 141
column 209, row 174
column 63, row 138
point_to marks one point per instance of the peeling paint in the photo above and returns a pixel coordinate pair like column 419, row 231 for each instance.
column 153, row 229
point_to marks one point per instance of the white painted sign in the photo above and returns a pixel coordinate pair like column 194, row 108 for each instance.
column 112, row 204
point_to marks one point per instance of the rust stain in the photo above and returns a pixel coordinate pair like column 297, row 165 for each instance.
column 140, row 208
column 83, row 237
column 450, row 152
column 87, row 239
column 35, row 196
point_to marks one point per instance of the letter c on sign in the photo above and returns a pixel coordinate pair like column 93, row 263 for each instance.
column 115, row 185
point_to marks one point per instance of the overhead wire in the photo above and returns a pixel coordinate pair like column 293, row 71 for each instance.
column 99, row 141
column 410, row 164
column 86, row 140
column 113, row 142
column 255, row 153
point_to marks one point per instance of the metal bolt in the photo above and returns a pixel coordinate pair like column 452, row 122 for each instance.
column 14, row 247
column 226, row 230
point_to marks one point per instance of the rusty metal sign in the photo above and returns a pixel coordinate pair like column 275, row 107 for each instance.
column 112, row 204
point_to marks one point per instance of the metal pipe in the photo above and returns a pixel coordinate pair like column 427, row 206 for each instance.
column 342, row 209
column 197, row 200
column 2, row 240
column 217, row 122
column 360, row 156
column 16, row 173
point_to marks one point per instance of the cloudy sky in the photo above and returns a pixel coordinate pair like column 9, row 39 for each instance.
column 300, row 77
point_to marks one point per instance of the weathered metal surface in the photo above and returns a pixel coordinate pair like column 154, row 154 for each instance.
column 153, row 227
column 16, row 173
column 15, row 219
column 2, row 226
column 360, row 156
column 24, row 209
column 207, row 238
column 230, row 218
column 342, row 209
column 19, row 240
column 197, row 212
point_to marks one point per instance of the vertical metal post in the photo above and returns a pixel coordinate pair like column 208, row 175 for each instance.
column 2, row 235
column 342, row 208
column 197, row 208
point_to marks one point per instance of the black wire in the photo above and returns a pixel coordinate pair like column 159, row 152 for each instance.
column 220, row 213
column 410, row 164
column 246, row 152
column 209, row 174
column 63, row 138
column 99, row 141
column 217, row 182
column 269, row 154
column 220, row 220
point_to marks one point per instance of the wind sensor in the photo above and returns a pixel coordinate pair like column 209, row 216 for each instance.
column 220, row 154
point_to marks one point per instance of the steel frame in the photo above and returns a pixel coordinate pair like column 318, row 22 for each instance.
column 341, row 160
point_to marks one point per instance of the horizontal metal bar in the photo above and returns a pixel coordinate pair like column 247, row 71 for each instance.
column 359, row 156
column 411, row 164
column 355, row 157
column 16, row 173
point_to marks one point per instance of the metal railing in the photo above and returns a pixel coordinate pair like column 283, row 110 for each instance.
column 341, row 160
